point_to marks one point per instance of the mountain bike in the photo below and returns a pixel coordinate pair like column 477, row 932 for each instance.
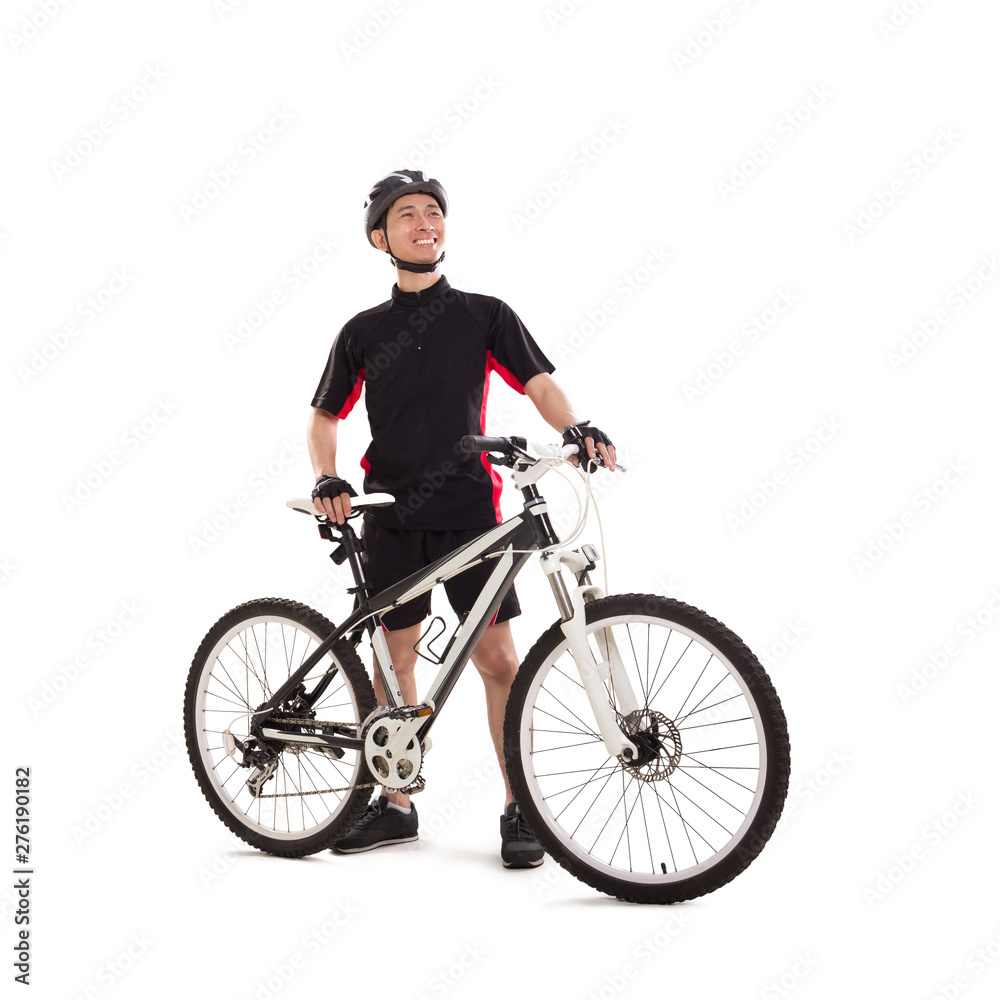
column 643, row 740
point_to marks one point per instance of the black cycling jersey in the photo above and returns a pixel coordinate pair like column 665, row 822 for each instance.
column 425, row 360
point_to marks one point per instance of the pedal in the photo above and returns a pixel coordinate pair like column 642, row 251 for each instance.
column 417, row 786
column 420, row 711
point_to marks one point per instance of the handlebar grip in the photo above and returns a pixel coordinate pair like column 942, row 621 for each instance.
column 474, row 443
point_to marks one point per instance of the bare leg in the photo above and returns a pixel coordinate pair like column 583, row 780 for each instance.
column 404, row 659
column 496, row 660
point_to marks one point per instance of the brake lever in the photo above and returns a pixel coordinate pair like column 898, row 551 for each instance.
column 599, row 463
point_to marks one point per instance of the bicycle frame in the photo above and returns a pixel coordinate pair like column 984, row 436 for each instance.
column 510, row 545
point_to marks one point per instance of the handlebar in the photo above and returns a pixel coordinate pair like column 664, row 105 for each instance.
column 511, row 447
column 473, row 443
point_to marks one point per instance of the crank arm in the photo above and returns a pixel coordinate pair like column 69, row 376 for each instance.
column 408, row 730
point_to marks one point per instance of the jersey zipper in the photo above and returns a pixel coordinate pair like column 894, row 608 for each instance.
column 420, row 332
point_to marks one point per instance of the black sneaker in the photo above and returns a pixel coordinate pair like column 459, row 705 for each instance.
column 378, row 826
column 518, row 847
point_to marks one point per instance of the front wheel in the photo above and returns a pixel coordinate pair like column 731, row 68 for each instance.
column 703, row 796
column 290, row 799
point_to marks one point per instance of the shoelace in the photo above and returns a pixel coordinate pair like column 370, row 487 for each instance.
column 372, row 813
column 518, row 827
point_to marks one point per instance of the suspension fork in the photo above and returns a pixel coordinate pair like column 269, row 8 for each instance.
column 593, row 674
column 573, row 613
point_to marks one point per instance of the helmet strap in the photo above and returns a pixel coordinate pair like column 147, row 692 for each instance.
column 405, row 265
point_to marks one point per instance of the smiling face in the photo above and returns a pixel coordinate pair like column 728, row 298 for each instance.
column 414, row 225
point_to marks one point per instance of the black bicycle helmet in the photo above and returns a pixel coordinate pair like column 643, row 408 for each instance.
column 386, row 191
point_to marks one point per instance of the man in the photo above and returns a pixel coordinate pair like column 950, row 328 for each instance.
column 425, row 357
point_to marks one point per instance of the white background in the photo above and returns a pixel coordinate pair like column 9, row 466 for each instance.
column 882, row 878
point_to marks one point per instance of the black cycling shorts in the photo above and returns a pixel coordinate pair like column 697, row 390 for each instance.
column 393, row 553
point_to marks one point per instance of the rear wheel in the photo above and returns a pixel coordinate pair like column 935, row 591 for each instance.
column 702, row 798
column 286, row 799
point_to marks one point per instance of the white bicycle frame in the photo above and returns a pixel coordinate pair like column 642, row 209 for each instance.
column 501, row 545
column 572, row 610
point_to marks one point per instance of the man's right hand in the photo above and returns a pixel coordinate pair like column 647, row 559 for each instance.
column 332, row 496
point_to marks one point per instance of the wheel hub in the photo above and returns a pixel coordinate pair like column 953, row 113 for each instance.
column 658, row 741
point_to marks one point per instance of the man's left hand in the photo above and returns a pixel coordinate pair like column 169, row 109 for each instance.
column 592, row 442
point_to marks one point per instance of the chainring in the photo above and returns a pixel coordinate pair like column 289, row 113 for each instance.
column 393, row 760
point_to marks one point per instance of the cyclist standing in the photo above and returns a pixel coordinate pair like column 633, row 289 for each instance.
column 425, row 357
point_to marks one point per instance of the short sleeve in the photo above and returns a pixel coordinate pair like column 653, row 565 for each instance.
column 342, row 380
column 514, row 355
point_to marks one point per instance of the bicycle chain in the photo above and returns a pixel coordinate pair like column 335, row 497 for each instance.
column 330, row 726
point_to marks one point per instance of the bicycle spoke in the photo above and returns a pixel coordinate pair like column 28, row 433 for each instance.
column 590, row 732
column 687, row 827
column 567, row 732
column 289, row 653
column 714, row 686
column 572, row 680
column 568, row 746
column 556, row 774
column 659, row 663
column 583, row 784
column 590, row 850
column 680, row 711
column 670, row 672
column 722, row 798
column 682, row 718
column 680, row 791
column 579, row 787
column 645, row 823
column 625, row 830
column 649, row 639
column 243, row 710
column 666, row 833
column 722, row 722
column 718, row 771
column 585, row 732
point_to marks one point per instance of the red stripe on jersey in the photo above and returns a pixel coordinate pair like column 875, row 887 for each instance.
column 491, row 469
column 353, row 398
column 365, row 464
column 504, row 373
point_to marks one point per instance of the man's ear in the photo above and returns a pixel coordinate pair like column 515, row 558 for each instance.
column 378, row 237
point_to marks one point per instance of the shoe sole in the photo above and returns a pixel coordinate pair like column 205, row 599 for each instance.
column 522, row 862
column 371, row 847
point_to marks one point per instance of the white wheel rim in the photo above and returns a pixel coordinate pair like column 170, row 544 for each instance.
column 552, row 803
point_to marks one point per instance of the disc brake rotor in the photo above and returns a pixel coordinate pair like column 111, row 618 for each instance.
column 658, row 741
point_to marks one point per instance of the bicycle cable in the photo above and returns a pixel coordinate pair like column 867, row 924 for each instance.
column 574, row 534
column 585, row 476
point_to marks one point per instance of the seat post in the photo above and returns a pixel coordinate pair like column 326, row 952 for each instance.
column 352, row 549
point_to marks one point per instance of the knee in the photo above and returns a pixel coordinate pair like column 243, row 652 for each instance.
column 404, row 669
column 498, row 665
